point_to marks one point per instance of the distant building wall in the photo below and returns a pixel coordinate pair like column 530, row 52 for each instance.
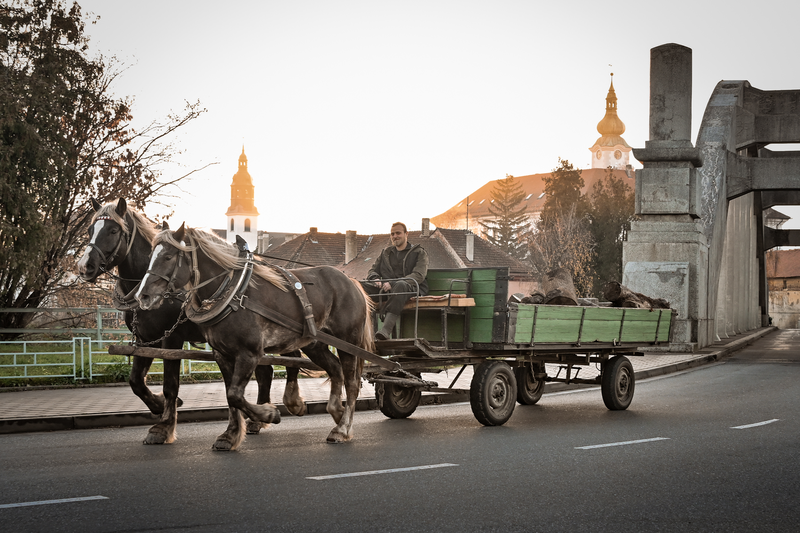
column 784, row 308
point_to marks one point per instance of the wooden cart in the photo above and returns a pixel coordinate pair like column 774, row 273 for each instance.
column 509, row 345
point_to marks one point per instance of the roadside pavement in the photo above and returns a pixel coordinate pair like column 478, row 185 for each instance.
column 82, row 407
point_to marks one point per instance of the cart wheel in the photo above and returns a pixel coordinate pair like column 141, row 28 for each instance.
column 617, row 383
column 493, row 393
column 529, row 389
column 395, row 401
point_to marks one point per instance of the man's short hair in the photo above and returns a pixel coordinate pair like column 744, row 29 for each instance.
column 405, row 229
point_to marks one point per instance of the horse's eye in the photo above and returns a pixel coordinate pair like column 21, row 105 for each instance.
column 114, row 230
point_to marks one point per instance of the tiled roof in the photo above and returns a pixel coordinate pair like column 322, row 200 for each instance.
column 438, row 256
column 312, row 248
column 783, row 263
column 446, row 249
column 485, row 253
column 533, row 185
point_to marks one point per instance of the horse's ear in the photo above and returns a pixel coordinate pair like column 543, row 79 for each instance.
column 122, row 207
column 96, row 205
column 164, row 225
column 180, row 233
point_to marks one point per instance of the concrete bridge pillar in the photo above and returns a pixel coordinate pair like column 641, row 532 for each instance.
column 666, row 255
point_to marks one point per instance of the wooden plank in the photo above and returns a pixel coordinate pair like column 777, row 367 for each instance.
column 202, row 355
column 601, row 324
column 483, row 287
column 453, row 302
column 484, row 274
column 480, row 330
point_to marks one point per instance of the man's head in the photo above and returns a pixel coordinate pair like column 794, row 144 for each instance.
column 399, row 235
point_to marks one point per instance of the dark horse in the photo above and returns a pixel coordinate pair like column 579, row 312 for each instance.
column 121, row 237
column 196, row 259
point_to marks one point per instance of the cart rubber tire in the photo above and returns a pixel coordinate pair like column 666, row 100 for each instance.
column 529, row 390
column 493, row 393
column 617, row 383
column 396, row 401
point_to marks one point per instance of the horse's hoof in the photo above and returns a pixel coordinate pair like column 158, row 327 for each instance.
column 222, row 446
column 155, row 438
column 297, row 410
column 253, row 427
column 276, row 417
column 336, row 437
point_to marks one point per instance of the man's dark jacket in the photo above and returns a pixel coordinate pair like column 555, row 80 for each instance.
column 414, row 266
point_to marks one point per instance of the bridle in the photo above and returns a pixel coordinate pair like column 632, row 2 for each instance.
column 173, row 291
column 105, row 261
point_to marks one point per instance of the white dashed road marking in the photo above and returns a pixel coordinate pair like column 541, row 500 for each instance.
column 49, row 502
column 389, row 471
column 748, row 426
column 620, row 443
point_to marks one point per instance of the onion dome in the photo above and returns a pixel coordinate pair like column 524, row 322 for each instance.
column 611, row 127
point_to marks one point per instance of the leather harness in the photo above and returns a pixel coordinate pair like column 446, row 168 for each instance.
column 231, row 298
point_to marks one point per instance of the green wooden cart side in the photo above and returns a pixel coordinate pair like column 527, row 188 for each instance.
column 493, row 323
column 550, row 324
column 481, row 323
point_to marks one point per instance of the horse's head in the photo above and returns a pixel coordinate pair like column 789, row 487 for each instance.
column 170, row 268
column 108, row 242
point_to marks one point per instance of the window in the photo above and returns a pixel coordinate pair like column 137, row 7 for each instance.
column 247, row 224
column 231, row 224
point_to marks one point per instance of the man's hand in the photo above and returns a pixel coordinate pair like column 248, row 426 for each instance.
column 385, row 287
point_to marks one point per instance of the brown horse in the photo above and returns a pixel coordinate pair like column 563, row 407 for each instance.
column 195, row 260
column 122, row 237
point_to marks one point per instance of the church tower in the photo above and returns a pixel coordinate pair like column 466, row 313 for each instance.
column 611, row 150
column 242, row 215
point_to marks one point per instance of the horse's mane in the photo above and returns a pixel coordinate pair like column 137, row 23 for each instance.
column 143, row 225
column 221, row 252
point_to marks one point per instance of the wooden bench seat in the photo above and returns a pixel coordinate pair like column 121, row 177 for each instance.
column 443, row 300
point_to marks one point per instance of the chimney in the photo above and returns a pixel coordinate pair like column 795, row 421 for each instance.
column 263, row 242
column 470, row 253
column 426, row 227
column 312, row 230
column 349, row 246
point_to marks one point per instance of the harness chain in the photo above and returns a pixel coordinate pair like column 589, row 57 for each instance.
column 137, row 340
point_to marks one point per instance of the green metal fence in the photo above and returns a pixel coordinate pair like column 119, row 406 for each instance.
column 108, row 322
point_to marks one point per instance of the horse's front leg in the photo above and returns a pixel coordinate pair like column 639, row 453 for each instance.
column 351, row 368
column 165, row 431
column 264, row 374
column 243, row 367
column 234, row 434
column 138, row 383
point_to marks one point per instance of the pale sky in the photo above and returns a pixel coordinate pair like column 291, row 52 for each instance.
column 354, row 114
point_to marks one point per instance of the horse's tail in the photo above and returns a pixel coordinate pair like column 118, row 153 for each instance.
column 367, row 340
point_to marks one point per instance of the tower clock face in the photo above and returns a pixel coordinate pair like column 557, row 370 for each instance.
column 618, row 154
column 598, row 154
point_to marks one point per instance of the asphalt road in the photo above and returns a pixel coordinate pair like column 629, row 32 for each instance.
column 712, row 449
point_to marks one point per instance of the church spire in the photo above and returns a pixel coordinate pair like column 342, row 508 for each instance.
column 611, row 150
column 611, row 125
